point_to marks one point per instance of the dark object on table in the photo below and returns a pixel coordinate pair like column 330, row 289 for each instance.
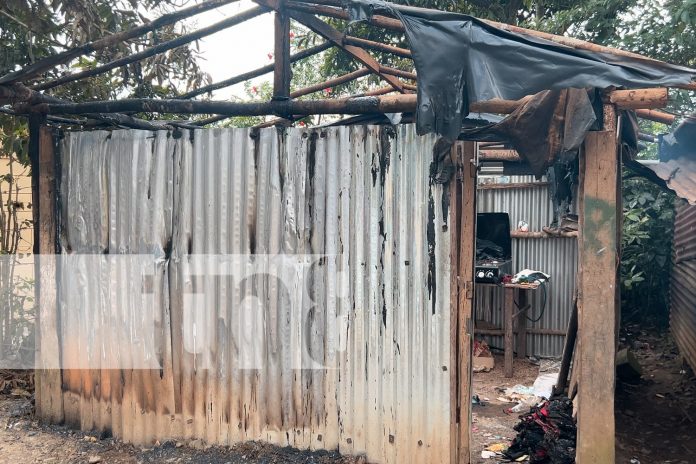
column 547, row 433
column 493, row 247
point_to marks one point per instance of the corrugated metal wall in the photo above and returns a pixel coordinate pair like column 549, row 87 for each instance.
column 683, row 289
column 362, row 196
column 554, row 256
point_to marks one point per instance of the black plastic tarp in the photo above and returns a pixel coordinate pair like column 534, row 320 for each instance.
column 680, row 142
column 460, row 59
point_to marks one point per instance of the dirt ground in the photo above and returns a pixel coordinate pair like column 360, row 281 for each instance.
column 655, row 422
column 656, row 417
column 490, row 422
column 23, row 440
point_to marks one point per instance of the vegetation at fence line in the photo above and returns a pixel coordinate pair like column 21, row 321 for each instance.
column 646, row 257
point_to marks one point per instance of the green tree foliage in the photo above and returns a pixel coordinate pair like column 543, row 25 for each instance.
column 646, row 250
column 33, row 29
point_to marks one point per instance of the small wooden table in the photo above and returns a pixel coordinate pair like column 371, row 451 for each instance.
column 509, row 318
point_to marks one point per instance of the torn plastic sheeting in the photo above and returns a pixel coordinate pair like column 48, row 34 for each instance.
column 552, row 122
column 461, row 59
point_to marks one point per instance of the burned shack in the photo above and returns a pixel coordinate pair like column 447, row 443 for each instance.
column 362, row 333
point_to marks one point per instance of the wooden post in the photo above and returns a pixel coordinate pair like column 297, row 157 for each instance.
column 509, row 309
column 455, row 192
column 281, row 68
column 522, row 325
column 466, row 152
column 49, row 399
column 568, row 349
column 596, row 315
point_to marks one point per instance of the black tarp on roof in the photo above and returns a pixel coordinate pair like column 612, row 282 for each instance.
column 460, row 59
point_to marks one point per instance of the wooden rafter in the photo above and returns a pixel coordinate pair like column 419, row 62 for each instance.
column 256, row 72
column 152, row 51
column 372, row 45
column 351, row 76
column 50, row 62
column 335, row 36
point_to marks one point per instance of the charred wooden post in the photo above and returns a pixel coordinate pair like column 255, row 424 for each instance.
column 49, row 398
column 465, row 152
column 281, row 70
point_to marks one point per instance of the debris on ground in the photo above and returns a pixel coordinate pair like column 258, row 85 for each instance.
column 547, row 433
column 497, row 447
column 627, row 367
column 16, row 382
column 483, row 360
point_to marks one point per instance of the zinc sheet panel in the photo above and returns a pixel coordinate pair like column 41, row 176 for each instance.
column 360, row 196
column 683, row 282
column 554, row 256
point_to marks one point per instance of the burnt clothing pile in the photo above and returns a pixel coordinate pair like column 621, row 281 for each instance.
column 546, row 434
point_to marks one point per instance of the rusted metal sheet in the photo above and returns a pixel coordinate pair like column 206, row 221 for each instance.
column 555, row 256
column 683, row 282
column 679, row 175
column 357, row 201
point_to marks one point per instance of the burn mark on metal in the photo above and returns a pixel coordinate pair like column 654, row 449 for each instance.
column 432, row 270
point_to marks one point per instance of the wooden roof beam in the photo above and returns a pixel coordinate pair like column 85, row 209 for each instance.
column 256, row 72
column 335, row 36
column 51, row 62
column 157, row 49
column 378, row 46
column 362, row 105
column 351, row 76
column 24, row 97
column 657, row 116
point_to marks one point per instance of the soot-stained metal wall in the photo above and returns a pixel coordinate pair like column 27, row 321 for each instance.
column 683, row 283
column 358, row 197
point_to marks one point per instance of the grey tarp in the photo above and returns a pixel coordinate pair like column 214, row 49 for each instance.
column 677, row 166
column 460, row 59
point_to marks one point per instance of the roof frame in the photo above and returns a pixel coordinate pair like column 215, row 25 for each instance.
column 304, row 12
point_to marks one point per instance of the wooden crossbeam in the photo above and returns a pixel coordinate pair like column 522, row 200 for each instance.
column 657, row 116
column 640, row 98
column 330, row 33
column 351, row 76
column 398, row 72
column 256, row 72
column 23, row 96
column 157, row 49
column 372, row 45
column 406, row 102
column 361, row 105
column 51, row 62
